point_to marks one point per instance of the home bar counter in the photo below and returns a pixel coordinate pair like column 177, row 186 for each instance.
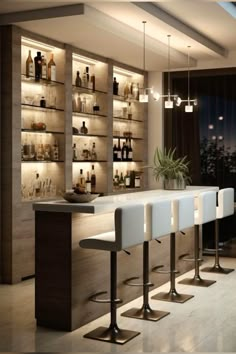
column 67, row 275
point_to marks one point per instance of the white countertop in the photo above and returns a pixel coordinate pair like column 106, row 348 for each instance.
column 111, row 202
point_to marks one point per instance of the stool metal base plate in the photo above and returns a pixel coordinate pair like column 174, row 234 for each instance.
column 197, row 282
column 217, row 269
column 120, row 336
column 172, row 297
column 145, row 314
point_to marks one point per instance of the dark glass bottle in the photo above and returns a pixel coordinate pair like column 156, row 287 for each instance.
column 83, row 129
column 114, row 153
column 118, row 151
column 93, row 180
column 78, row 81
column 130, row 151
column 124, row 152
column 38, row 66
column 43, row 102
column 115, row 86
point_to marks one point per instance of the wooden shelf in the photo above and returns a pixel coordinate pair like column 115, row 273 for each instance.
column 87, row 90
column 93, row 161
column 42, row 161
column 89, row 115
column 41, row 131
column 91, row 135
column 33, row 106
column 31, row 80
column 125, row 137
column 128, row 120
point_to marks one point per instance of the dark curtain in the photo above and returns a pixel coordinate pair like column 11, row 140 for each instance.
column 208, row 135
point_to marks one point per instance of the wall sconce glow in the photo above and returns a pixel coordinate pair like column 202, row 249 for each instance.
column 210, row 126
column 156, row 96
column 221, row 118
column 213, row 137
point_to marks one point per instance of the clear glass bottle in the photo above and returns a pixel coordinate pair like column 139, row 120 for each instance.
column 83, row 105
column 52, row 74
column 127, row 179
column 44, row 67
column 75, row 154
column 29, row 65
column 88, row 185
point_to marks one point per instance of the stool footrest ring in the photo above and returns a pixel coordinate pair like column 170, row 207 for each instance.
column 94, row 298
column 130, row 283
column 213, row 250
column 192, row 259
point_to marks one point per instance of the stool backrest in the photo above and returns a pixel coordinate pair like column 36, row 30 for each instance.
column 182, row 213
column 158, row 219
column 129, row 225
column 225, row 203
column 206, row 207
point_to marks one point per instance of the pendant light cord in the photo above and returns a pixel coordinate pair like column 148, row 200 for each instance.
column 169, row 66
column 188, row 77
column 144, row 45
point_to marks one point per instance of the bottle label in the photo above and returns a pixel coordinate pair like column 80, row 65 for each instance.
column 130, row 155
column 137, row 182
column 44, row 71
column 53, row 72
column 31, row 69
column 127, row 181
column 88, row 186
column 119, row 155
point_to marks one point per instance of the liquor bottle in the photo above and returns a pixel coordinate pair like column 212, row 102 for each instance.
column 126, row 91
column 137, row 181
column 130, row 151
column 93, row 153
column 87, row 75
column 114, row 153
column 129, row 111
column 124, row 152
column 121, row 181
column 137, row 92
column 44, row 68
column 75, row 155
column 37, row 185
column 78, row 81
column 88, row 185
column 55, row 151
column 93, row 180
column 29, row 65
column 78, row 104
column 92, row 80
column 96, row 107
column 51, row 69
column 81, row 179
column 115, row 86
column 84, row 79
column 118, row 151
column 127, row 179
column 83, row 129
column 116, row 180
column 37, row 66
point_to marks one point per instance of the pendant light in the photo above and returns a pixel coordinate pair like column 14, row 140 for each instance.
column 143, row 96
column 169, row 103
column 188, row 107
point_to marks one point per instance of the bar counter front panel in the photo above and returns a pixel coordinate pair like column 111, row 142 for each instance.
column 66, row 275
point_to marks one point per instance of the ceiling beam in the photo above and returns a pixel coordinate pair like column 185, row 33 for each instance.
column 172, row 21
column 40, row 14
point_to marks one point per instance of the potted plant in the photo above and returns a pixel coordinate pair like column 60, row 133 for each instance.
column 175, row 172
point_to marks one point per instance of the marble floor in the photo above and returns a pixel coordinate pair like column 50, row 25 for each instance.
column 206, row 323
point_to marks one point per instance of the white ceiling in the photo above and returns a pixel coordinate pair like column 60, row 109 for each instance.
column 115, row 29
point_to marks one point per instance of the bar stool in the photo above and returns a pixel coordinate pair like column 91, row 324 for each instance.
column 182, row 218
column 129, row 231
column 206, row 212
column 158, row 223
column 225, row 208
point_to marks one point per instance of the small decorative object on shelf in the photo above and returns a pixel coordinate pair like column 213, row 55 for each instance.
column 38, row 126
column 43, row 102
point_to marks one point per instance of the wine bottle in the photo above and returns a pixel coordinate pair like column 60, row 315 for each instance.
column 130, row 151
column 75, row 155
column 116, row 180
column 88, row 184
column 83, row 129
column 44, row 68
column 51, row 69
column 114, row 153
column 93, row 180
column 78, row 81
column 29, row 65
column 81, row 180
column 84, row 79
column 137, row 181
column 127, row 179
column 87, row 76
column 115, row 86
column 93, row 153
column 37, row 66
column 42, row 102
column 92, row 79
column 124, row 152
column 121, row 181
column 119, row 151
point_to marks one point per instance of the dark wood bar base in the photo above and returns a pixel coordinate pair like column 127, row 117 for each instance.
column 67, row 275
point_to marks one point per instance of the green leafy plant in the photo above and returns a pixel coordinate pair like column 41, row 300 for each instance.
column 165, row 165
